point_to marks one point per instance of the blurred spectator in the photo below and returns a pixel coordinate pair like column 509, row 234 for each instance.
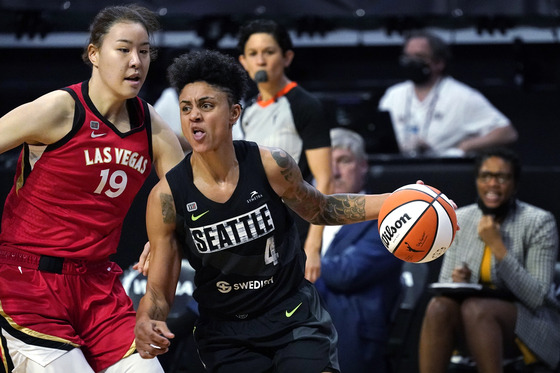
column 436, row 115
column 360, row 279
column 167, row 105
column 510, row 247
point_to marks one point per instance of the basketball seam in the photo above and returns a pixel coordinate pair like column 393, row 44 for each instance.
column 415, row 222
column 449, row 216
column 404, row 204
column 420, row 190
column 439, row 196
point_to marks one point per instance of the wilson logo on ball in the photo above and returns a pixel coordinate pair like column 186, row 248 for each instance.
column 417, row 223
column 391, row 231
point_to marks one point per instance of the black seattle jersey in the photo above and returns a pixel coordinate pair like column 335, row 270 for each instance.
column 245, row 251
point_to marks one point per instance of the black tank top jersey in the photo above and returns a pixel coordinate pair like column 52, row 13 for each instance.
column 245, row 251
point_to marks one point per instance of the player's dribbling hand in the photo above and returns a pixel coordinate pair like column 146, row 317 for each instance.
column 450, row 200
column 152, row 338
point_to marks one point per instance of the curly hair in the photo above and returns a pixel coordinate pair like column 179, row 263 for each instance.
column 215, row 68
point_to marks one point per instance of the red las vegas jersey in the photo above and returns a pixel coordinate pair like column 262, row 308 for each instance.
column 71, row 202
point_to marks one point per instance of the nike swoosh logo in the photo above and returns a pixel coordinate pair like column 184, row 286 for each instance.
column 289, row 314
column 196, row 217
column 95, row 135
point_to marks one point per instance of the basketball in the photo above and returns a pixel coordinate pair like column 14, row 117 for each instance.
column 417, row 223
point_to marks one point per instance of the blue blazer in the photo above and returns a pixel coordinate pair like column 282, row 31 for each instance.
column 359, row 283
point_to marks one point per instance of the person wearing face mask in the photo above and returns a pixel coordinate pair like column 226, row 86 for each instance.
column 287, row 116
column 434, row 114
column 510, row 247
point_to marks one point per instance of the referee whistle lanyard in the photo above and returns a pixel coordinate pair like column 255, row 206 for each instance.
column 414, row 131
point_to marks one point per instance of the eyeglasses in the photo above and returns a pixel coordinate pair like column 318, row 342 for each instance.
column 501, row 177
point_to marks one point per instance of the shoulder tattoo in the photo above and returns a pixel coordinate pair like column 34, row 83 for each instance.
column 167, row 208
column 284, row 161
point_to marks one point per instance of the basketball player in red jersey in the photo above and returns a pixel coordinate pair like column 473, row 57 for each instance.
column 87, row 150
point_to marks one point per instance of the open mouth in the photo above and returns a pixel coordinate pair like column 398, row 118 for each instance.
column 492, row 198
column 198, row 134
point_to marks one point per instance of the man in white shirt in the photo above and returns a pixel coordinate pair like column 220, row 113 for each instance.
column 434, row 114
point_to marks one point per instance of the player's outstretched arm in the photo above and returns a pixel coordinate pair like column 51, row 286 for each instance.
column 152, row 334
column 285, row 178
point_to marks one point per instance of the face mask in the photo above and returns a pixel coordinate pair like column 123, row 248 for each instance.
column 499, row 212
column 415, row 69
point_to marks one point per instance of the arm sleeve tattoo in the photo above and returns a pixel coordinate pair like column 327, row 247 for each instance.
column 311, row 204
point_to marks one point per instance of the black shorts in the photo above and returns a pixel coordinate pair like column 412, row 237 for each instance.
column 297, row 335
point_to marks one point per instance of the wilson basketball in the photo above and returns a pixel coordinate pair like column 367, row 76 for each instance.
column 417, row 223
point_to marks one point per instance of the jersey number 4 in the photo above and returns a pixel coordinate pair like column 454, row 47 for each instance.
column 117, row 183
column 270, row 254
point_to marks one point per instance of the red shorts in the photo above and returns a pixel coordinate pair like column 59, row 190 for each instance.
column 87, row 308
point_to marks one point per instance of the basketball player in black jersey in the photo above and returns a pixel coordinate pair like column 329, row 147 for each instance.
column 225, row 208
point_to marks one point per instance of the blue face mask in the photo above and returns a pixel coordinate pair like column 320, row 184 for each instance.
column 415, row 69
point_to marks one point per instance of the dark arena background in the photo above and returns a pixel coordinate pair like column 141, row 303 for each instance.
column 347, row 55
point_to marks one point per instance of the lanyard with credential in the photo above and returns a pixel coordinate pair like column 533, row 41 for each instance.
column 429, row 115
